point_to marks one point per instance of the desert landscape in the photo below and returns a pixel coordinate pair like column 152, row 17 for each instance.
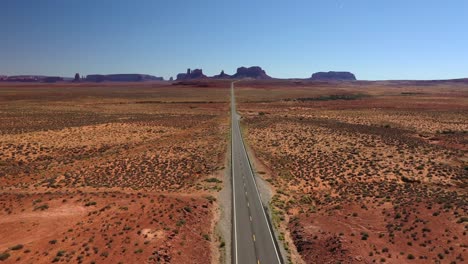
column 111, row 172
column 234, row 132
column 360, row 172
column 363, row 172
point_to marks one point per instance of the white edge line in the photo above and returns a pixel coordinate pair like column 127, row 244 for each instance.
column 256, row 188
column 232, row 171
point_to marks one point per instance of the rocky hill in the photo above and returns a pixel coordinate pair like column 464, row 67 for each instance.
column 190, row 75
column 333, row 76
column 254, row 72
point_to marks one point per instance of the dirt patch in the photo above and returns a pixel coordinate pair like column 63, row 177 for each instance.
column 105, row 227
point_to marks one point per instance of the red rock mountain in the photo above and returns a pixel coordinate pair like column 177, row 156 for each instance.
column 333, row 76
column 190, row 75
column 254, row 72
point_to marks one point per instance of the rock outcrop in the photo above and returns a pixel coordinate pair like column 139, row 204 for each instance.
column 181, row 76
column 254, row 72
column 333, row 76
column 222, row 75
column 77, row 77
column 190, row 75
column 197, row 74
column 122, row 78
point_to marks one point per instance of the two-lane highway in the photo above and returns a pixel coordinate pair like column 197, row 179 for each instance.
column 253, row 240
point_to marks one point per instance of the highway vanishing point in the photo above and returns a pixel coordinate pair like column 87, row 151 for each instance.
column 253, row 238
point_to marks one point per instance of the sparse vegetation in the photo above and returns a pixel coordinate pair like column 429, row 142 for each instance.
column 4, row 256
column 17, row 247
column 118, row 180
column 41, row 207
column 386, row 163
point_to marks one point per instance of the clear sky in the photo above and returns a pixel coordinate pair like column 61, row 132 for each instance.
column 375, row 39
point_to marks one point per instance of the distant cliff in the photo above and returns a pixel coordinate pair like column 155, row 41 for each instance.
column 122, row 78
column 190, row 75
column 31, row 78
column 333, row 76
column 53, row 79
column 254, row 72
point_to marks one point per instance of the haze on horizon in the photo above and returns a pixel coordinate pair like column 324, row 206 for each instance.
column 289, row 39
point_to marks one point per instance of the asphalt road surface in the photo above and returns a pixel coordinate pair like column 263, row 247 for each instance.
column 253, row 240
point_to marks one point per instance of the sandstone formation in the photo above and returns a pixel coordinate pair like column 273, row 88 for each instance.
column 181, row 76
column 122, row 78
column 77, row 77
column 190, row 75
column 333, row 76
column 53, row 79
column 222, row 75
column 25, row 78
column 254, row 72
column 196, row 74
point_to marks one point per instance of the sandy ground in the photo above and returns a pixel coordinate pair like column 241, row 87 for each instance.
column 359, row 172
column 111, row 173
column 364, row 173
column 224, row 227
column 105, row 228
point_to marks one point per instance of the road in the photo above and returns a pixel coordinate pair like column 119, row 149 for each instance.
column 253, row 240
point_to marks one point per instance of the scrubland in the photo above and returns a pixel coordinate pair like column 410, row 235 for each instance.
column 111, row 173
column 363, row 172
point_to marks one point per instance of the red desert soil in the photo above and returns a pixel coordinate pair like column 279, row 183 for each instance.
column 111, row 173
column 364, row 172
column 105, row 227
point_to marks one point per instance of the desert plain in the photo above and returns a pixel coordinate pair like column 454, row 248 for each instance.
column 111, row 173
column 361, row 172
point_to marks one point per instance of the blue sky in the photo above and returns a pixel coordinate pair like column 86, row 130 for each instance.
column 375, row 39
